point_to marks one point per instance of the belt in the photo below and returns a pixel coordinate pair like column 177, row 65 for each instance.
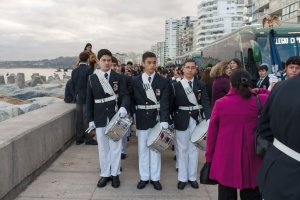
column 147, row 107
column 190, row 107
column 286, row 150
column 105, row 99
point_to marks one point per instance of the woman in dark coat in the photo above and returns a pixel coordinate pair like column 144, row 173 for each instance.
column 221, row 84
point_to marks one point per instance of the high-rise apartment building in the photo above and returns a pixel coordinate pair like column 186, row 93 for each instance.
column 174, row 30
column 287, row 10
column 248, row 11
column 217, row 18
column 159, row 50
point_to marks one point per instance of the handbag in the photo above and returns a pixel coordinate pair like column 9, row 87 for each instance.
column 261, row 143
column 204, row 175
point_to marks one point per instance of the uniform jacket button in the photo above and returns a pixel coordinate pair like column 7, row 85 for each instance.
column 190, row 112
column 146, row 102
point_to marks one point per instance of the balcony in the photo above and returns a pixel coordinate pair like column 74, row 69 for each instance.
column 261, row 5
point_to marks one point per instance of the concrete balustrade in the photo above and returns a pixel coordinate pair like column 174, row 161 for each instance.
column 30, row 142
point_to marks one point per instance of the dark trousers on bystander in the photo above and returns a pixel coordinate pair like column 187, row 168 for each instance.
column 81, row 123
column 229, row 193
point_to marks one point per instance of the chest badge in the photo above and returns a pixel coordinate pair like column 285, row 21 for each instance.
column 199, row 94
column 115, row 86
column 157, row 92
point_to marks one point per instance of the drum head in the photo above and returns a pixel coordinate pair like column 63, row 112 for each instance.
column 153, row 134
column 111, row 123
column 199, row 131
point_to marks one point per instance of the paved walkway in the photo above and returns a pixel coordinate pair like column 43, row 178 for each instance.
column 74, row 175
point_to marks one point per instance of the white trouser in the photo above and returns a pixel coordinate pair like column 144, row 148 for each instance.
column 125, row 142
column 109, row 154
column 149, row 160
column 188, row 154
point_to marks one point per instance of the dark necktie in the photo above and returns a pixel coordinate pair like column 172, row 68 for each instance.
column 149, row 79
column 190, row 83
column 106, row 75
column 259, row 82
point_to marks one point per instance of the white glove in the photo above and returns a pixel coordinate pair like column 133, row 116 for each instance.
column 164, row 125
column 272, row 79
column 91, row 127
column 122, row 112
column 208, row 121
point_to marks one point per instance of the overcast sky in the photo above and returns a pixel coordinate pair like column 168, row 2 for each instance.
column 37, row 29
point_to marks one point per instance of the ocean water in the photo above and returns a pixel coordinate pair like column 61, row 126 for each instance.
column 29, row 71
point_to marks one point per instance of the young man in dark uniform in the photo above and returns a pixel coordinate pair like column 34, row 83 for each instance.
column 188, row 96
column 279, row 176
column 79, row 84
column 150, row 96
column 105, row 89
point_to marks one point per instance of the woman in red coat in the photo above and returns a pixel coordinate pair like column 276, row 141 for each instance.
column 230, row 140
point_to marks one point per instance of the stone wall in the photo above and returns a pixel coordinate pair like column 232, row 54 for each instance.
column 28, row 142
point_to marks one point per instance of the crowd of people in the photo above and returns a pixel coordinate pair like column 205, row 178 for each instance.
column 223, row 95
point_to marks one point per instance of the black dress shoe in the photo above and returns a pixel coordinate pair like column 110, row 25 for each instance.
column 91, row 142
column 78, row 142
column 142, row 184
column 174, row 158
column 181, row 185
column 115, row 181
column 194, row 184
column 123, row 156
column 156, row 185
column 103, row 181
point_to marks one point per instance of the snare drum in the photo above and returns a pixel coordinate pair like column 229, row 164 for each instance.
column 199, row 135
column 160, row 139
column 117, row 127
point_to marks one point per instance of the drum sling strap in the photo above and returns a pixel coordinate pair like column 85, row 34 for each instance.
column 189, row 92
column 150, row 93
column 191, row 97
column 107, row 89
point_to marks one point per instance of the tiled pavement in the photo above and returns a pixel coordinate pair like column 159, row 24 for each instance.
column 74, row 175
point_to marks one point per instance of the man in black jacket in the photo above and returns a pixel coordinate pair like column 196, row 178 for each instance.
column 280, row 171
column 188, row 96
column 79, row 79
column 105, row 89
column 150, row 96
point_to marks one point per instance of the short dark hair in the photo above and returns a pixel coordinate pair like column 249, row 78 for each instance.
column 295, row 60
column 103, row 52
column 189, row 60
column 148, row 54
column 114, row 60
column 263, row 67
column 129, row 63
column 84, row 56
column 87, row 45
column 241, row 80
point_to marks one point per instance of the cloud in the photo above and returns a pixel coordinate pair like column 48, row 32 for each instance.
column 34, row 29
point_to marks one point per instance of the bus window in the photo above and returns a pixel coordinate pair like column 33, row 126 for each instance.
column 286, row 47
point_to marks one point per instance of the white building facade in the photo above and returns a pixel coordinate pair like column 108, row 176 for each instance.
column 287, row 10
column 217, row 18
column 174, row 36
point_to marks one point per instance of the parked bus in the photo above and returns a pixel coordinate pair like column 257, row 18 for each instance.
column 250, row 45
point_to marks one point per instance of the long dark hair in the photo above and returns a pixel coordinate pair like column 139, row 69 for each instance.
column 241, row 80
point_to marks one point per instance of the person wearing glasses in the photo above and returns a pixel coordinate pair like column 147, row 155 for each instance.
column 188, row 96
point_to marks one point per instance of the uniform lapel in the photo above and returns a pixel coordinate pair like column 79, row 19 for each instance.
column 155, row 81
column 112, row 77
